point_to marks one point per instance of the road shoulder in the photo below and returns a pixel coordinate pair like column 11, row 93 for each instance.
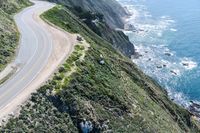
column 63, row 46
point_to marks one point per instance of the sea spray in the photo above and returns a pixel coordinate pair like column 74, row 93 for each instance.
column 155, row 57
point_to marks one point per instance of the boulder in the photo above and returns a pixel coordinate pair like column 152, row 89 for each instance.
column 79, row 38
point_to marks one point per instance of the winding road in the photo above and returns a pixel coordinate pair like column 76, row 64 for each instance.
column 42, row 49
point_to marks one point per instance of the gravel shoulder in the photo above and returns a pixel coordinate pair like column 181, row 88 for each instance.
column 63, row 45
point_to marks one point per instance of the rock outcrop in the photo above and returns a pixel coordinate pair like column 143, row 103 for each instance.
column 111, row 9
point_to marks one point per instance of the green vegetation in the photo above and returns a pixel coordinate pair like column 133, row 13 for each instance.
column 113, row 96
column 96, row 22
column 43, row 111
column 112, row 11
column 8, row 32
column 4, row 79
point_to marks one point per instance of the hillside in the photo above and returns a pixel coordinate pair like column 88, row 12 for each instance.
column 8, row 33
column 98, row 89
column 96, row 22
column 111, row 9
column 102, row 17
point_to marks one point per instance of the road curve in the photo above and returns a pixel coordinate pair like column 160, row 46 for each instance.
column 37, row 50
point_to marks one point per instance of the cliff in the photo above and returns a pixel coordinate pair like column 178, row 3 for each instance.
column 102, row 16
column 112, row 10
column 105, row 92
column 96, row 22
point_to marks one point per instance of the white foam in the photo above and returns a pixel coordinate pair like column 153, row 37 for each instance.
column 159, row 34
column 153, row 53
column 179, row 98
column 174, row 30
column 188, row 63
column 127, row 32
column 134, row 14
column 170, row 21
column 164, row 17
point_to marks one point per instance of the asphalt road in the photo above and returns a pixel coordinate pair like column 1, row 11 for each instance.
column 35, row 49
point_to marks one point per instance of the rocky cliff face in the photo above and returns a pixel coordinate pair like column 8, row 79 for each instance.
column 118, row 39
column 106, row 92
column 96, row 22
column 111, row 9
column 102, row 17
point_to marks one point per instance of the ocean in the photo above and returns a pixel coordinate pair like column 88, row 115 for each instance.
column 167, row 38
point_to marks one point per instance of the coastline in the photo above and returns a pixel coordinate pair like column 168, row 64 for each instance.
column 108, row 91
column 192, row 106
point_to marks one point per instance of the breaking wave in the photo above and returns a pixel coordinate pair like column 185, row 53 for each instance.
column 154, row 56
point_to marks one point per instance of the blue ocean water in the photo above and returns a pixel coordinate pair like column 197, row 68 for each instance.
column 168, row 38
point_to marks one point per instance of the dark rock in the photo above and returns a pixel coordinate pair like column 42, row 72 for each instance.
column 168, row 54
column 185, row 64
column 159, row 67
column 136, row 55
column 130, row 27
column 79, row 38
column 173, row 72
column 196, row 105
column 194, row 109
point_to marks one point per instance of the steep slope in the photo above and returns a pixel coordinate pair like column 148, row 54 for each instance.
column 8, row 32
column 111, row 9
column 96, row 22
column 100, row 16
column 98, row 89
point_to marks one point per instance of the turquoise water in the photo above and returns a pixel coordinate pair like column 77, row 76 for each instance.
column 168, row 39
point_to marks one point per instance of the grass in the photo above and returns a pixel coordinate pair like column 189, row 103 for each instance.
column 4, row 79
column 9, row 35
column 116, row 94
column 62, row 78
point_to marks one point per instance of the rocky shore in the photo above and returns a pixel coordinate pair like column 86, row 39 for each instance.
column 194, row 107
